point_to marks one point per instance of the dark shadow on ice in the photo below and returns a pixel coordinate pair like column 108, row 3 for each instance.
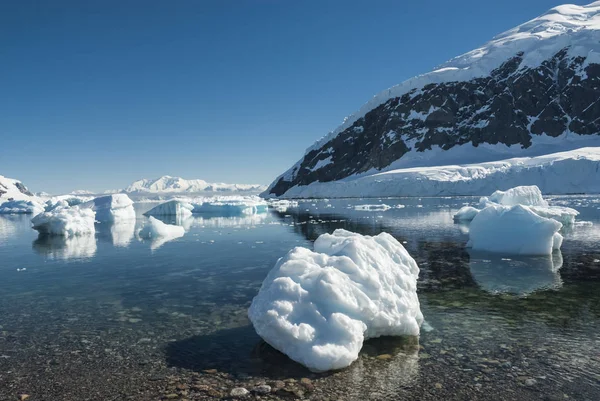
column 59, row 247
column 516, row 275
column 240, row 352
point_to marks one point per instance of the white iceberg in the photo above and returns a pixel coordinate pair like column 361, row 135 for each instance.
column 466, row 213
column 159, row 232
column 528, row 196
column 171, row 208
column 319, row 306
column 523, row 195
column 112, row 208
column 513, row 230
column 65, row 221
column 21, row 207
column 231, row 208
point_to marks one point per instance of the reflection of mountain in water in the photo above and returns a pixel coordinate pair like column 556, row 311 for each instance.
column 519, row 275
column 58, row 247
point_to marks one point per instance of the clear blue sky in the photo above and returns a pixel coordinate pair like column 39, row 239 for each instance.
column 97, row 94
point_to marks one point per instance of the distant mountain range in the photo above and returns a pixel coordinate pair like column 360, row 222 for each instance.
column 167, row 184
column 531, row 91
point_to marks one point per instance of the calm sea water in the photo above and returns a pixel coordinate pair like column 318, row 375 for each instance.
column 84, row 305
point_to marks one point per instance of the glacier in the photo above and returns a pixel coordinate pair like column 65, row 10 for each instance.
column 568, row 172
column 319, row 306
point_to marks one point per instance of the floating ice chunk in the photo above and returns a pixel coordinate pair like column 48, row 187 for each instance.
column 21, row 207
column 513, row 230
column 319, row 306
column 65, row 221
column 519, row 276
column 111, row 208
column 160, row 232
column 171, row 208
column 564, row 215
column 231, row 208
column 381, row 207
column 282, row 205
column 466, row 213
column 524, row 195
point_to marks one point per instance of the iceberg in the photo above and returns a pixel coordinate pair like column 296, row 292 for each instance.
column 111, row 208
column 171, row 208
column 65, row 221
column 319, row 306
column 528, row 196
column 159, row 232
column 514, row 230
column 373, row 208
column 231, row 208
column 21, row 207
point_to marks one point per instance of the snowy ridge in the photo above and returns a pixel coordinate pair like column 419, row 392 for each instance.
column 531, row 90
column 168, row 184
column 539, row 39
column 15, row 190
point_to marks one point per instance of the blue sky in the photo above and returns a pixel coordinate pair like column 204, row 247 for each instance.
column 97, row 94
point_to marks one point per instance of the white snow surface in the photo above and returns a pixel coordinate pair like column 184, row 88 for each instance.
column 111, row 208
column 231, row 206
column 319, row 306
column 466, row 213
column 171, row 208
column 168, row 184
column 523, row 195
column 568, row 172
column 66, row 221
column 513, row 230
column 21, row 207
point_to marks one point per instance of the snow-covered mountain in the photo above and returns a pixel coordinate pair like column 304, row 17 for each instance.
column 15, row 190
column 532, row 90
column 167, row 184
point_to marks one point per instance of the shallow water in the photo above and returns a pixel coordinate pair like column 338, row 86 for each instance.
column 78, row 314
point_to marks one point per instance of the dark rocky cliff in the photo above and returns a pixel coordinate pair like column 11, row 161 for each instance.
column 510, row 106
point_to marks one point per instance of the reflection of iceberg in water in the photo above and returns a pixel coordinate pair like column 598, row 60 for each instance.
column 58, row 247
column 120, row 233
column 184, row 221
column 520, row 275
column 217, row 222
column 7, row 227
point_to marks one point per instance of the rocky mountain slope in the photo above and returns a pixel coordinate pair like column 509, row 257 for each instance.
column 532, row 90
column 11, row 189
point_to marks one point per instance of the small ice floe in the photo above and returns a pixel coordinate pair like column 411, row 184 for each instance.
column 159, row 232
column 21, row 269
column 372, row 208
column 318, row 306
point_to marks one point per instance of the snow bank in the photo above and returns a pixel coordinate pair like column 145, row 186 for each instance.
column 160, row 232
column 569, row 172
column 21, row 207
column 111, row 208
column 171, row 208
column 65, row 221
column 319, row 306
column 513, row 230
